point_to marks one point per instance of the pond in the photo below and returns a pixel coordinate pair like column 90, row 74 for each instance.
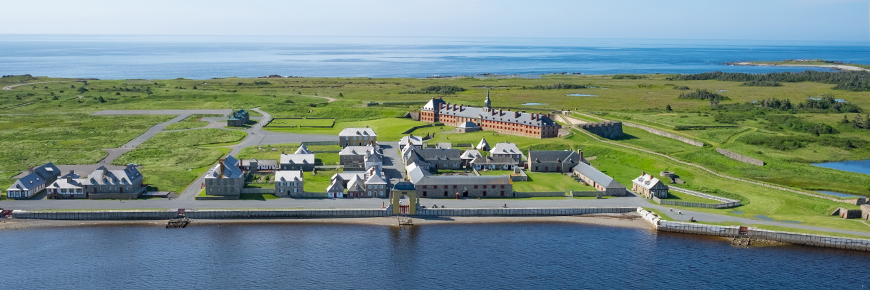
column 581, row 95
column 859, row 166
column 838, row 194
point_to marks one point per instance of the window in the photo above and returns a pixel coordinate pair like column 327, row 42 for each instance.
column 424, row 194
column 454, row 186
column 475, row 186
column 502, row 186
column 445, row 193
column 484, row 193
column 502, row 193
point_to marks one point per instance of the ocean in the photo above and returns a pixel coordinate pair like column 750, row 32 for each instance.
column 455, row 256
column 204, row 57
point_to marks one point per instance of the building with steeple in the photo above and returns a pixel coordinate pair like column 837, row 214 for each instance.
column 520, row 123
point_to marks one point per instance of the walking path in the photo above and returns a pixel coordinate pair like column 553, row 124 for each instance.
column 9, row 88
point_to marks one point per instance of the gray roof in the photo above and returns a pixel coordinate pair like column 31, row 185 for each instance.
column 530, row 119
column 597, row 176
column 430, row 154
column 375, row 179
column 335, row 186
column 553, row 156
column 470, row 154
column 468, row 125
column 303, row 150
column 373, row 158
column 505, row 148
column 357, row 150
column 498, row 160
column 231, row 170
column 247, row 162
column 482, row 145
column 288, row 175
column 646, row 181
column 38, row 177
column 297, row 158
column 415, row 140
column 103, row 176
column 463, row 180
column 357, row 132
column 356, row 184
column 415, row 173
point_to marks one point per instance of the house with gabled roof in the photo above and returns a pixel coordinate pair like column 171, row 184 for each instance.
column 649, row 186
column 506, row 149
column 289, row 183
column 303, row 150
column 34, row 182
column 303, row 160
column 553, row 161
column 494, row 163
column 357, row 137
column 411, row 140
column 238, row 118
column 487, row 118
column 335, row 189
column 599, row 180
column 468, row 156
column 225, row 178
column 483, row 145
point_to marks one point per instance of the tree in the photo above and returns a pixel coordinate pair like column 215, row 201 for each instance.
column 340, row 95
column 102, row 100
column 668, row 108
column 845, row 120
column 54, row 98
column 856, row 123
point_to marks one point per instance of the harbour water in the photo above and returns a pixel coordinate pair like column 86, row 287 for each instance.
column 203, row 57
column 468, row 256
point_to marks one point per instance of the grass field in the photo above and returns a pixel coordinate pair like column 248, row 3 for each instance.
column 318, row 182
column 543, row 182
column 191, row 122
column 254, row 152
column 301, row 122
column 172, row 160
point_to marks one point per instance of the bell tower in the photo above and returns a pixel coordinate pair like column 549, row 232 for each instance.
column 487, row 105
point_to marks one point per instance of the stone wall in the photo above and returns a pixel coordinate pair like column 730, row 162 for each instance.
column 607, row 129
column 540, row 194
column 666, row 134
column 587, row 193
column 754, row 233
column 521, row 211
column 253, row 190
column 199, row 214
column 741, row 158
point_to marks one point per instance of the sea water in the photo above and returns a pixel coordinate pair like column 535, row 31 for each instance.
column 203, row 57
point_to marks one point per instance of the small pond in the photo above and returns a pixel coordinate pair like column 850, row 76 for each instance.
column 581, row 95
column 838, row 194
column 859, row 166
column 534, row 104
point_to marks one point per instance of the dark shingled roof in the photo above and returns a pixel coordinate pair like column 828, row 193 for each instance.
column 430, row 154
column 597, row 176
column 552, row 156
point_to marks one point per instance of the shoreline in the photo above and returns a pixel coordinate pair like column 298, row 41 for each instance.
column 611, row 220
column 839, row 67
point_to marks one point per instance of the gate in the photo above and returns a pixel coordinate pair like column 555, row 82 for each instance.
column 404, row 209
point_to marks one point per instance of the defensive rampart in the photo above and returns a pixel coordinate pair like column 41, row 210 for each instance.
column 741, row 158
column 606, row 129
column 521, row 211
column 754, row 233
column 666, row 134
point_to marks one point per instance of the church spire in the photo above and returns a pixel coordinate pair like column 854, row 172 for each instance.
column 487, row 104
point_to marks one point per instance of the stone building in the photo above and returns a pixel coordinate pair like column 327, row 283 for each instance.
column 494, row 163
column 865, row 211
column 553, row 161
column 649, row 186
column 467, row 127
column 599, row 180
column 256, row 165
column 464, row 186
column 225, row 178
column 468, row 156
column 376, row 186
column 238, row 119
column 36, row 180
column 354, row 157
column 357, row 137
column 411, row 140
column 507, row 150
column 303, row 160
column 356, row 188
column 101, row 184
column 524, row 124
column 289, row 183
column 606, row 129
column 433, row 158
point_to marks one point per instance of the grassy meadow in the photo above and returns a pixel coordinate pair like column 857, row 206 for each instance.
column 192, row 122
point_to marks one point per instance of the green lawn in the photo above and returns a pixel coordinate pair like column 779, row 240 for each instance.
column 388, row 129
column 549, row 182
column 679, row 196
column 191, row 122
column 171, row 160
column 254, row 152
column 318, row 182
column 301, row 122
column 260, row 185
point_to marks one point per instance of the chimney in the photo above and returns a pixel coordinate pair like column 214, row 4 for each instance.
column 642, row 173
column 499, row 111
column 580, row 152
column 221, row 162
column 69, row 179
column 548, row 115
column 29, row 169
column 516, row 114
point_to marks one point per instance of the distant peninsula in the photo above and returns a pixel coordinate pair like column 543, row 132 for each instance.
column 836, row 65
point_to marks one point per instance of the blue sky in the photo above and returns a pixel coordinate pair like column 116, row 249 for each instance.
column 841, row 20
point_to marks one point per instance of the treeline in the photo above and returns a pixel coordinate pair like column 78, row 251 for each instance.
column 761, row 84
column 843, row 80
column 703, row 94
column 796, row 142
column 821, row 104
column 799, row 125
column 858, row 122
column 558, row 86
column 444, row 90
column 256, row 83
column 628, row 77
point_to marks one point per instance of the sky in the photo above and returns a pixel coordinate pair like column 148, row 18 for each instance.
column 835, row 20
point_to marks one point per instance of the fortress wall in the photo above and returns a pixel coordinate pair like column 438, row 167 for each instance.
column 741, row 158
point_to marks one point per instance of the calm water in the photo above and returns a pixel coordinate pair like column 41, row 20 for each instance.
column 486, row 256
column 859, row 166
column 202, row 57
